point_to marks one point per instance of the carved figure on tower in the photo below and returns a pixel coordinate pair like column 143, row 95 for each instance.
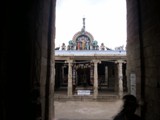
column 63, row 46
column 102, row 46
column 71, row 45
column 83, row 44
column 78, row 45
column 95, row 45
column 87, row 45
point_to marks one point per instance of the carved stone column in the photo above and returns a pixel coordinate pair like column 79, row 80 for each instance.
column 120, row 78
column 70, row 86
column 74, row 78
column 95, row 88
column 62, row 75
column 106, row 75
column 74, row 75
column 91, row 74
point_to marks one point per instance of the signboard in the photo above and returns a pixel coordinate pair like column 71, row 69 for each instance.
column 133, row 83
column 83, row 92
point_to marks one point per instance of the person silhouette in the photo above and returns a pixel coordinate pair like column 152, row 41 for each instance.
column 129, row 107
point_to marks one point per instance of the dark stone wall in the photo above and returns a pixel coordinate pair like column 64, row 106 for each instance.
column 15, row 62
column 143, row 32
column 151, row 33
column 25, row 58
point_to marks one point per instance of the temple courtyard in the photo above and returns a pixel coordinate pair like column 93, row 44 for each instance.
column 87, row 110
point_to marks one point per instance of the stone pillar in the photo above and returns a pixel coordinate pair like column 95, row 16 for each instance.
column 106, row 75
column 62, row 75
column 70, row 86
column 95, row 88
column 116, row 77
column 74, row 75
column 120, row 78
column 91, row 74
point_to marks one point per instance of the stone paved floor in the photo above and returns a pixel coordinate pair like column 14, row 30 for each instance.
column 86, row 110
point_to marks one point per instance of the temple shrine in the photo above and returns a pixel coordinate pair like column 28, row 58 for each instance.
column 85, row 68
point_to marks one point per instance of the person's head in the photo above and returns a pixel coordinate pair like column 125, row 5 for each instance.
column 130, row 104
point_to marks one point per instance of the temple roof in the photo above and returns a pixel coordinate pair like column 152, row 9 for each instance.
column 90, row 53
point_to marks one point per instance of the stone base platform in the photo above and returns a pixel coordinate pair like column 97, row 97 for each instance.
column 86, row 98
